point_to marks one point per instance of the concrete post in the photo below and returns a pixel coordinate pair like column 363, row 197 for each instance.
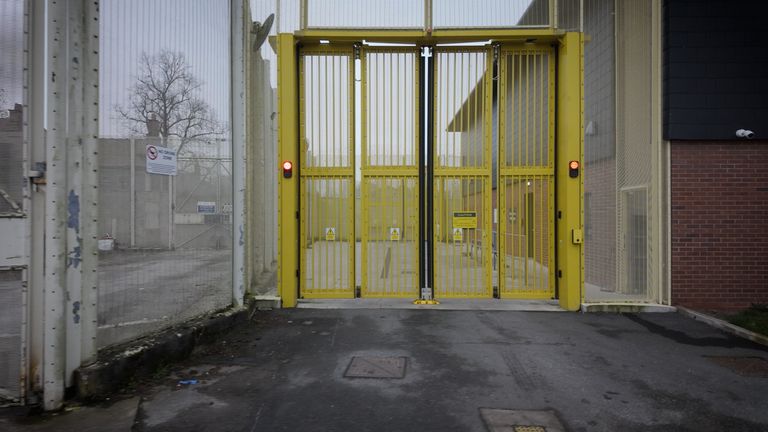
column 54, row 340
column 238, row 138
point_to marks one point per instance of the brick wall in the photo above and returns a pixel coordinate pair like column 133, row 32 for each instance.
column 719, row 224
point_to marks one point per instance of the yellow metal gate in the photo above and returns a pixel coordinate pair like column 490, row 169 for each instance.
column 462, row 98
column 491, row 207
column 326, row 171
column 390, row 172
column 526, row 172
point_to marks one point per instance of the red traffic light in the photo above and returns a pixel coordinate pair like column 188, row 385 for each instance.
column 573, row 169
column 287, row 169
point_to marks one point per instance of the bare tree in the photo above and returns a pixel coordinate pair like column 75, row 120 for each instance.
column 167, row 91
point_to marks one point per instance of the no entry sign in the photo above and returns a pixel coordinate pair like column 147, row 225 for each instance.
column 161, row 160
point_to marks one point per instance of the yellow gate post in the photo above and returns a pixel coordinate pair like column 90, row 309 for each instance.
column 570, row 147
column 288, row 188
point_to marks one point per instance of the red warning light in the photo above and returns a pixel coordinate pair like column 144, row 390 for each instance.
column 287, row 169
column 573, row 169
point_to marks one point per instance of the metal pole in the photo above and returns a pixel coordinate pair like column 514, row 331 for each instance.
column 132, row 161
column 430, row 142
column 428, row 15
column 422, row 179
column 238, row 136
column 304, row 14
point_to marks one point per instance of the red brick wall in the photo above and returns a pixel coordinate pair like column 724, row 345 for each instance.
column 719, row 224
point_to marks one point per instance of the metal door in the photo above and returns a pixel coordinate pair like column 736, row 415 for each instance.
column 526, row 172
column 390, row 172
column 462, row 172
column 326, row 171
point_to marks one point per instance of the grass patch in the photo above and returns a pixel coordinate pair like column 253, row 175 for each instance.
column 755, row 318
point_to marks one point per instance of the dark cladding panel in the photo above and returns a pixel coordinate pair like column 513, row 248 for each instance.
column 715, row 69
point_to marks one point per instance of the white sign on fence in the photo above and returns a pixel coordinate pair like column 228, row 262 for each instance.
column 207, row 207
column 161, row 160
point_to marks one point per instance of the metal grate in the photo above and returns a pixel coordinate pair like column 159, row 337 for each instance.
column 498, row 420
column 529, row 429
column 376, row 367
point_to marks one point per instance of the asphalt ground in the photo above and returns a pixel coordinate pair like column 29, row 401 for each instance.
column 285, row 371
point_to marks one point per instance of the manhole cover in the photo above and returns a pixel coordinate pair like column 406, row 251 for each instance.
column 376, row 367
column 503, row 420
column 745, row 366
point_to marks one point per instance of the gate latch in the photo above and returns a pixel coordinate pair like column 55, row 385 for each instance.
column 576, row 236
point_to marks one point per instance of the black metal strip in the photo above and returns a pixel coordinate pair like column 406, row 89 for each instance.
column 429, row 109
column 422, row 195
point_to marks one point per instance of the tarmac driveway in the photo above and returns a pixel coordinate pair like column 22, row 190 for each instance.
column 598, row 372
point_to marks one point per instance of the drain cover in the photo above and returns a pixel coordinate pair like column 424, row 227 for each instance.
column 376, row 367
column 745, row 366
column 502, row 420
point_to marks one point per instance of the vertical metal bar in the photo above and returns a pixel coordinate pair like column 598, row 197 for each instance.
column 487, row 184
column 501, row 247
column 304, row 13
column 335, row 190
column 352, row 246
column 422, row 219
column 431, row 84
column 428, row 15
column 304, row 234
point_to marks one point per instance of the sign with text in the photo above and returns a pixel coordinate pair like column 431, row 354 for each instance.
column 207, row 207
column 465, row 219
column 161, row 160
column 458, row 234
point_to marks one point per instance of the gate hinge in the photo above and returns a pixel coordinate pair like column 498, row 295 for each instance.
column 356, row 51
column 496, row 51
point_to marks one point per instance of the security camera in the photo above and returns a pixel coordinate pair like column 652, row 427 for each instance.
column 745, row 133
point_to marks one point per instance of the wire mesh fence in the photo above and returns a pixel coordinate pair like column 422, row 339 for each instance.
column 11, row 202
column 165, row 166
column 622, row 174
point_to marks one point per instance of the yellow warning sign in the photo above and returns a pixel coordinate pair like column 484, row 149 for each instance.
column 394, row 234
column 465, row 219
column 458, row 234
column 330, row 234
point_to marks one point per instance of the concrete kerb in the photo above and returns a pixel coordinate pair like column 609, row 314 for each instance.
column 627, row 308
column 117, row 365
column 724, row 325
